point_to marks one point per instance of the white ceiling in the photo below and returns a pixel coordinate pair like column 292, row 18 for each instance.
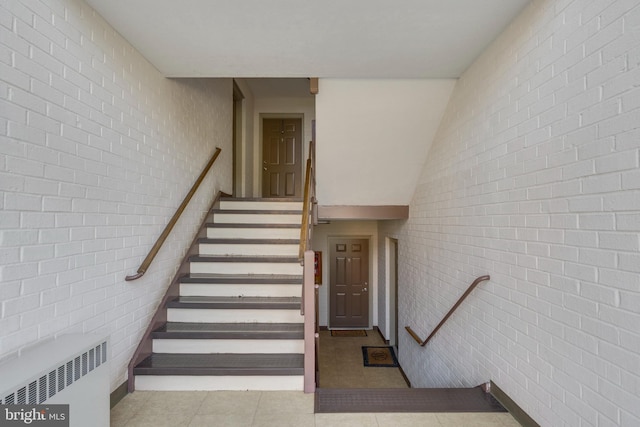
column 304, row 38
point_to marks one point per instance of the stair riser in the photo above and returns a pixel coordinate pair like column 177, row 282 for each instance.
column 212, row 383
column 245, row 268
column 222, row 290
column 248, row 346
column 253, row 233
column 260, row 206
column 197, row 315
column 240, row 249
column 241, row 218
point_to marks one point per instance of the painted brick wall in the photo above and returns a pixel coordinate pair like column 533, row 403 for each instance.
column 97, row 150
column 534, row 178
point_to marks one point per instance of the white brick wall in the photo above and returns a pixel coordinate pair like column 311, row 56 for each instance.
column 97, row 150
column 534, row 178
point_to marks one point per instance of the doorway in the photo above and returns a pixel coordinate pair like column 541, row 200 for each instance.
column 237, row 140
column 282, row 157
column 348, row 283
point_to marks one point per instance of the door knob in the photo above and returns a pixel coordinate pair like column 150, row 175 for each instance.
column 264, row 168
column 364, row 289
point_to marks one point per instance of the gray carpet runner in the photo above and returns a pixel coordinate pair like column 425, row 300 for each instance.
column 329, row 400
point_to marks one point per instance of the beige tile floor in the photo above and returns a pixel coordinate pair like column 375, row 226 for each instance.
column 340, row 362
column 282, row 409
column 269, row 408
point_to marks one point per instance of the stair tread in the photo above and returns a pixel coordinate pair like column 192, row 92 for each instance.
column 242, row 225
column 261, row 199
column 258, row 212
column 235, row 302
column 179, row 330
column 231, row 279
column 221, row 364
column 234, row 241
column 244, row 258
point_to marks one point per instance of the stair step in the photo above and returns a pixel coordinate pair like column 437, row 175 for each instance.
column 260, row 204
column 221, row 364
column 276, row 331
column 219, row 382
column 260, row 199
column 222, row 241
column 240, row 285
column 257, row 217
column 244, row 259
column 253, row 231
column 200, row 309
column 248, row 247
column 254, row 303
column 245, row 264
column 206, row 346
column 201, row 338
column 238, row 279
column 258, row 212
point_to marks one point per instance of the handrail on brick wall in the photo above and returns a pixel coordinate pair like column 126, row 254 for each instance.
column 165, row 233
column 446, row 317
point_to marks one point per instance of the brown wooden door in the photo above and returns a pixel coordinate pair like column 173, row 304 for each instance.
column 349, row 283
column 282, row 158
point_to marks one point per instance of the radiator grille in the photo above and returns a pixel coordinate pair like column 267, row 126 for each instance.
column 58, row 378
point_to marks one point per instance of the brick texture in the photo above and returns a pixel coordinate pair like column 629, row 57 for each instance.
column 97, row 150
column 533, row 178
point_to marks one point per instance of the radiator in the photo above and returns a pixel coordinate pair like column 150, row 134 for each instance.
column 71, row 369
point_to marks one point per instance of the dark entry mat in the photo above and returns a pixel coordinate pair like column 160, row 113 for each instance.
column 379, row 357
column 332, row 400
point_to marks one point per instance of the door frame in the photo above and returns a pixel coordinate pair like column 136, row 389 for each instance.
column 391, row 291
column 260, row 156
column 237, row 136
column 372, row 290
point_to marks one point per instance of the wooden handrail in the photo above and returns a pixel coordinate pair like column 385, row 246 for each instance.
column 307, row 214
column 304, row 229
column 165, row 233
column 307, row 208
column 446, row 317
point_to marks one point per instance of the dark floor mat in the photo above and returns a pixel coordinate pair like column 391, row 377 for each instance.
column 379, row 357
column 405, row 400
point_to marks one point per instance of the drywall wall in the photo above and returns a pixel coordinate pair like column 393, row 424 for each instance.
column 534, row 178
column 97, row 150
column 373, row 137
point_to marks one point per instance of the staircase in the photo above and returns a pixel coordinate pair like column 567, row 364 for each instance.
column 236, row 324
